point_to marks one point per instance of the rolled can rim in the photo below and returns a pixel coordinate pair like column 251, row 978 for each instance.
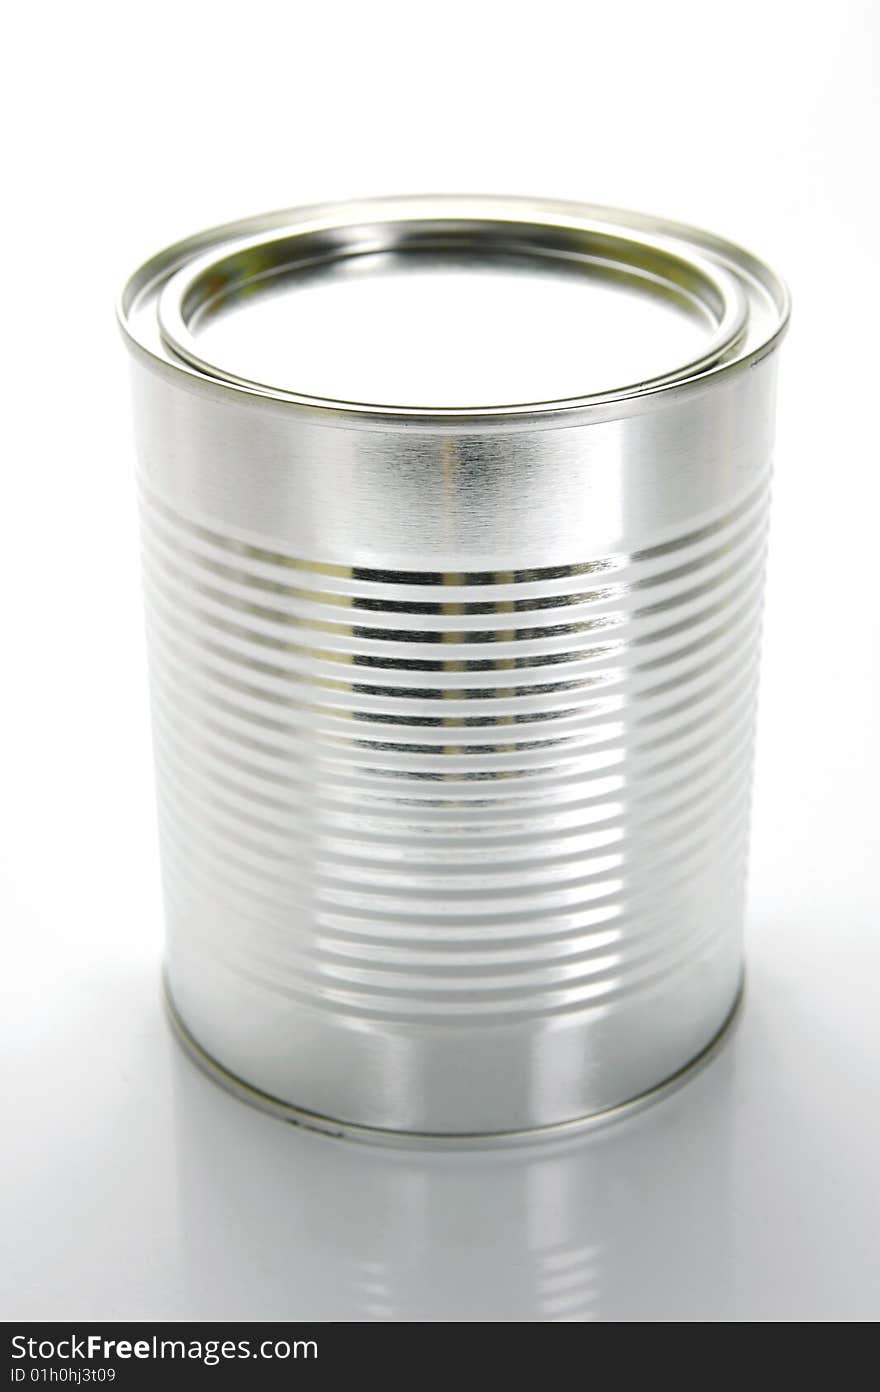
column 741, row 281
column 456, row 1141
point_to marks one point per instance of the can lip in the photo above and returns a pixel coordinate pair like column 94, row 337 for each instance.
column 450, row 1142
column 747, row 303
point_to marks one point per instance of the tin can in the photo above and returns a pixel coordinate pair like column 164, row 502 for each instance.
column 454, row 515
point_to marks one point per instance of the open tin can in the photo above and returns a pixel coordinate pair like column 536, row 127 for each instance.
column 454, row 515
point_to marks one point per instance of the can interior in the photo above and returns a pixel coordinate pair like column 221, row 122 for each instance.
column 450, row 312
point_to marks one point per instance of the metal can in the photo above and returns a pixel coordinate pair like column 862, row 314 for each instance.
column 454, row 515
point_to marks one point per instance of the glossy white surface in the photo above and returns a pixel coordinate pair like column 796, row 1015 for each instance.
column 132, row 1187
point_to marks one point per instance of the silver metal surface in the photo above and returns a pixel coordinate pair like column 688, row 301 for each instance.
column 454, row 701
column 437, row 1141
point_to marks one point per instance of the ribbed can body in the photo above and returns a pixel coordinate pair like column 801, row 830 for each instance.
column 454, row 737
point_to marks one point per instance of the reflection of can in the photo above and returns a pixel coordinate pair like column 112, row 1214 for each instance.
column 453, row 700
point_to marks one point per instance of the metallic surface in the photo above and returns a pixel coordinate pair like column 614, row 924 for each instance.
column 454, row 706
column 437, row 1141
column 262, row 268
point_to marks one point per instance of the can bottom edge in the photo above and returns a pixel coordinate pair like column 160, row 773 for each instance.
column 431, row 1140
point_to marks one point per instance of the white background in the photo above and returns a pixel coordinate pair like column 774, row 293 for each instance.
column 131, row 1186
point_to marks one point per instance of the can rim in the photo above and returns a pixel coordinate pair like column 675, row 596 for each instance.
column 451, row 1142
column 749, row 303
